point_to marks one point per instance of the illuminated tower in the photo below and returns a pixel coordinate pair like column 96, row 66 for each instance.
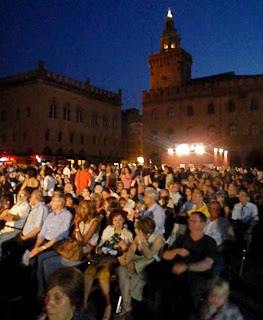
column 172, row 66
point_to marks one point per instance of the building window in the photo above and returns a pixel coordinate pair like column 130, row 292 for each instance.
column 114, row 124
column 66, row 114
column 28, row 112
column 3, row 115
column 190, row 111
column 47, row 135
column 3, row 138
column 154, row 114
column 79, row 116
column 253, row 104
column 172, row 45
column 81, row 139
column 94, row 120
column 254, row 130
column 18, row 114
column 170, row 112
column 154, row 135
column 170, row 133
column 53, row 111
column 211, row 131
column 231, row 106
column 94, row 140
column 165, row 46
column 233, row 131
column 105, row 122
column 59, row 136
column 71, row 138
column 211, row 108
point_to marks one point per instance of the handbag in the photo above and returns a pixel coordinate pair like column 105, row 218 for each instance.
column 70, row 249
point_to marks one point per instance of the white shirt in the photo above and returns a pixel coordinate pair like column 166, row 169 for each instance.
column 22, row 209
column 67, row 172
column 49, row 186
column 247, row 213
column 220, row 230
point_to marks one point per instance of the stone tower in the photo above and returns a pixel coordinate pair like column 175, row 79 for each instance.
column 172, row 66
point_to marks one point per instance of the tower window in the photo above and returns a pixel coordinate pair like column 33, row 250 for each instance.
column 210, row 108
column 165, row 46
column 170, row 112
column 190, row 111
column 254, row 104
column 231, row 106
column 154, row 114
column 173, row 45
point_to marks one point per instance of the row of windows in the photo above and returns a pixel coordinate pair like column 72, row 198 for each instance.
column 211, row 132
column 211, row 109
column 79, row 117
column 72, row 138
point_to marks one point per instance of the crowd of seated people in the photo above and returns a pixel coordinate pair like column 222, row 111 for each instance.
column 170, row 229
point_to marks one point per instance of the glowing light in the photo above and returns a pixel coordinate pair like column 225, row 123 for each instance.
column 140, row 160
column 215, row 150
column 183, row 149
column 225, row 153
column 38, row 158
column 199, row 149
column 192, row 148
column 171, row 151
column 3, row 159
column 221, row 150
column 169, row 14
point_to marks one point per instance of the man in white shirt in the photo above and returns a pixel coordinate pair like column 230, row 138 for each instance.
column 15, row 218
column 67, row 171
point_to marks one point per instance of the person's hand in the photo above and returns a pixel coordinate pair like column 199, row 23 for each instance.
column 122, row 245
column 22, row 237
column 122, row 260
column 140, row 235
column 131, row 266
column 179, row 268
column 170, row 254
column 34, row 252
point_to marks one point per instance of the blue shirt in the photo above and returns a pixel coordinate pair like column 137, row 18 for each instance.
column 36, row 218
column 156, row 212
column 56, row 225
column 247, row 213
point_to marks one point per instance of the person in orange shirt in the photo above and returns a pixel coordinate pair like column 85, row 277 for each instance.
column 82, row 179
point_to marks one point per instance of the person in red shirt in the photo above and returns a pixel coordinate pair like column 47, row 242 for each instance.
column 82, row 179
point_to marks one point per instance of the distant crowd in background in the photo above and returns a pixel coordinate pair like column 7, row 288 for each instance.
column 165, row 236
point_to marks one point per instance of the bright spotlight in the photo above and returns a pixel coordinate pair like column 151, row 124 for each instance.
column 140, row 160
column 221, row 150
column 199, row 149
column 183, row 149
column 215, row 150
column 171, row 151
column 225, row 153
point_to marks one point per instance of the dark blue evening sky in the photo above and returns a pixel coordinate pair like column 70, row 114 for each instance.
column 110, row 40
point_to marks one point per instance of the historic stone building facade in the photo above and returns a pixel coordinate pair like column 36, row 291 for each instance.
column 224, row 110
column 49, row 114
column 131, row 135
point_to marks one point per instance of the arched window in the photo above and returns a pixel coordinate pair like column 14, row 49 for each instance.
column 254, row 129
column 231, row 106
column 211, row 108
column 53, row 111
column 154, row 135
column 211, row 131
column 233, row 131
column 190, row 111
column 154, row 114
column 253, row 104
column 170, row 112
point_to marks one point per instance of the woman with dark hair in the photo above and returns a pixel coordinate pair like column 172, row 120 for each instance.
column 126, row 177
column 114, row 241
column 65, row 295
column 31, row 183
